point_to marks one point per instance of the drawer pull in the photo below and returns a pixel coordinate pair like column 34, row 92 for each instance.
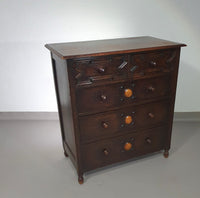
column 127, row 146
column 133, row 68
column 148, row 140
column 128, row 119
column 151, row 115
column 153, row 63
column 105, row 151
column 150, row 88
column 122, row 65
column 103, row 97
column 101, row 70
column 128, row 93
column 104, row 125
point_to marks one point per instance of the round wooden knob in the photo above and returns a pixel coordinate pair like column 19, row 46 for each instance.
column 148, row 140
column 127, row 146
column 151, row 115
column 128, row 119
column 101, row 70
column 153, row 63
column 105, row 151
column 128, row 93
column 104, row 125
column 103, row 97
column 151, row 88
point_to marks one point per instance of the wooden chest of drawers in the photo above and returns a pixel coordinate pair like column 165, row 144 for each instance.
column 115, row 98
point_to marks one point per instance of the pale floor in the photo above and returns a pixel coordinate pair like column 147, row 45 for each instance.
column 32, row 165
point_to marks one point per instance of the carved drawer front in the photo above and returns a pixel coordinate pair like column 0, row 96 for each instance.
column 124, row 120
column 143, row 64
column 89, row 70
column 105, row 152
column 100, row 98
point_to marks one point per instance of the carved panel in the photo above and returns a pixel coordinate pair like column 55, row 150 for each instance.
column 100, row 68
column 147, row 63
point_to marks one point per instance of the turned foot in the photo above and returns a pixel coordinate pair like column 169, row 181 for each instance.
column 166, row 153
column 80, row 179
column 65, row 153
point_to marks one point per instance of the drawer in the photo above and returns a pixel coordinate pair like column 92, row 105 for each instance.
column 88, row 70
column 114, row 150
column 124, row 120
column 107, row 68
column 100, row 98
column 144, row 64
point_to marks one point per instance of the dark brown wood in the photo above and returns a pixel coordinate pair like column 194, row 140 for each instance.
column 102, row 98
column 173, row 85
column 80, row 179
column 166, row 153
column 94, row 156
column 92, row 69
column 110, row 47
column 115, row 98
column 91, row 128
column 105, row 151
column 86, row 71
column 64, row 106
column 65, row 153
column 148, row 140
column 105, row 125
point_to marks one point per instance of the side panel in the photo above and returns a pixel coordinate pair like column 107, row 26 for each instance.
column 64, row 106
column 174, row 76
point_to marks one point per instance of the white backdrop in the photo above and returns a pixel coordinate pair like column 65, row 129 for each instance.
column 26, row 82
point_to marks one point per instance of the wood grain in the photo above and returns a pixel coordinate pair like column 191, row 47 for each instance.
column 109, row 46
column 115, row 98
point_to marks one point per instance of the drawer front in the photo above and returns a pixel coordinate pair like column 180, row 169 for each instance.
column 144, row 64
column 97, row 99
column 114, row 150
column 89, row 70
column 107, row 68
column 124, row 120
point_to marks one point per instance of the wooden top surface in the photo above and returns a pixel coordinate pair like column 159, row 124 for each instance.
column 109, row 47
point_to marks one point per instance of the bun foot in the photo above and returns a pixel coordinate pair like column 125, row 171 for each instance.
column 66, row 155
column 166, row 153
column 80, row 180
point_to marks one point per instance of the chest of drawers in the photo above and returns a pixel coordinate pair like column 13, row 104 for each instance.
column 115, row 98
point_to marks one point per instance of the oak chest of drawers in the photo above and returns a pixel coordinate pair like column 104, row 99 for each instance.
column 115, row 98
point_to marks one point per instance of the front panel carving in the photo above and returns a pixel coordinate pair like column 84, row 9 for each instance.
column 87, row 71
column 154, row 62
